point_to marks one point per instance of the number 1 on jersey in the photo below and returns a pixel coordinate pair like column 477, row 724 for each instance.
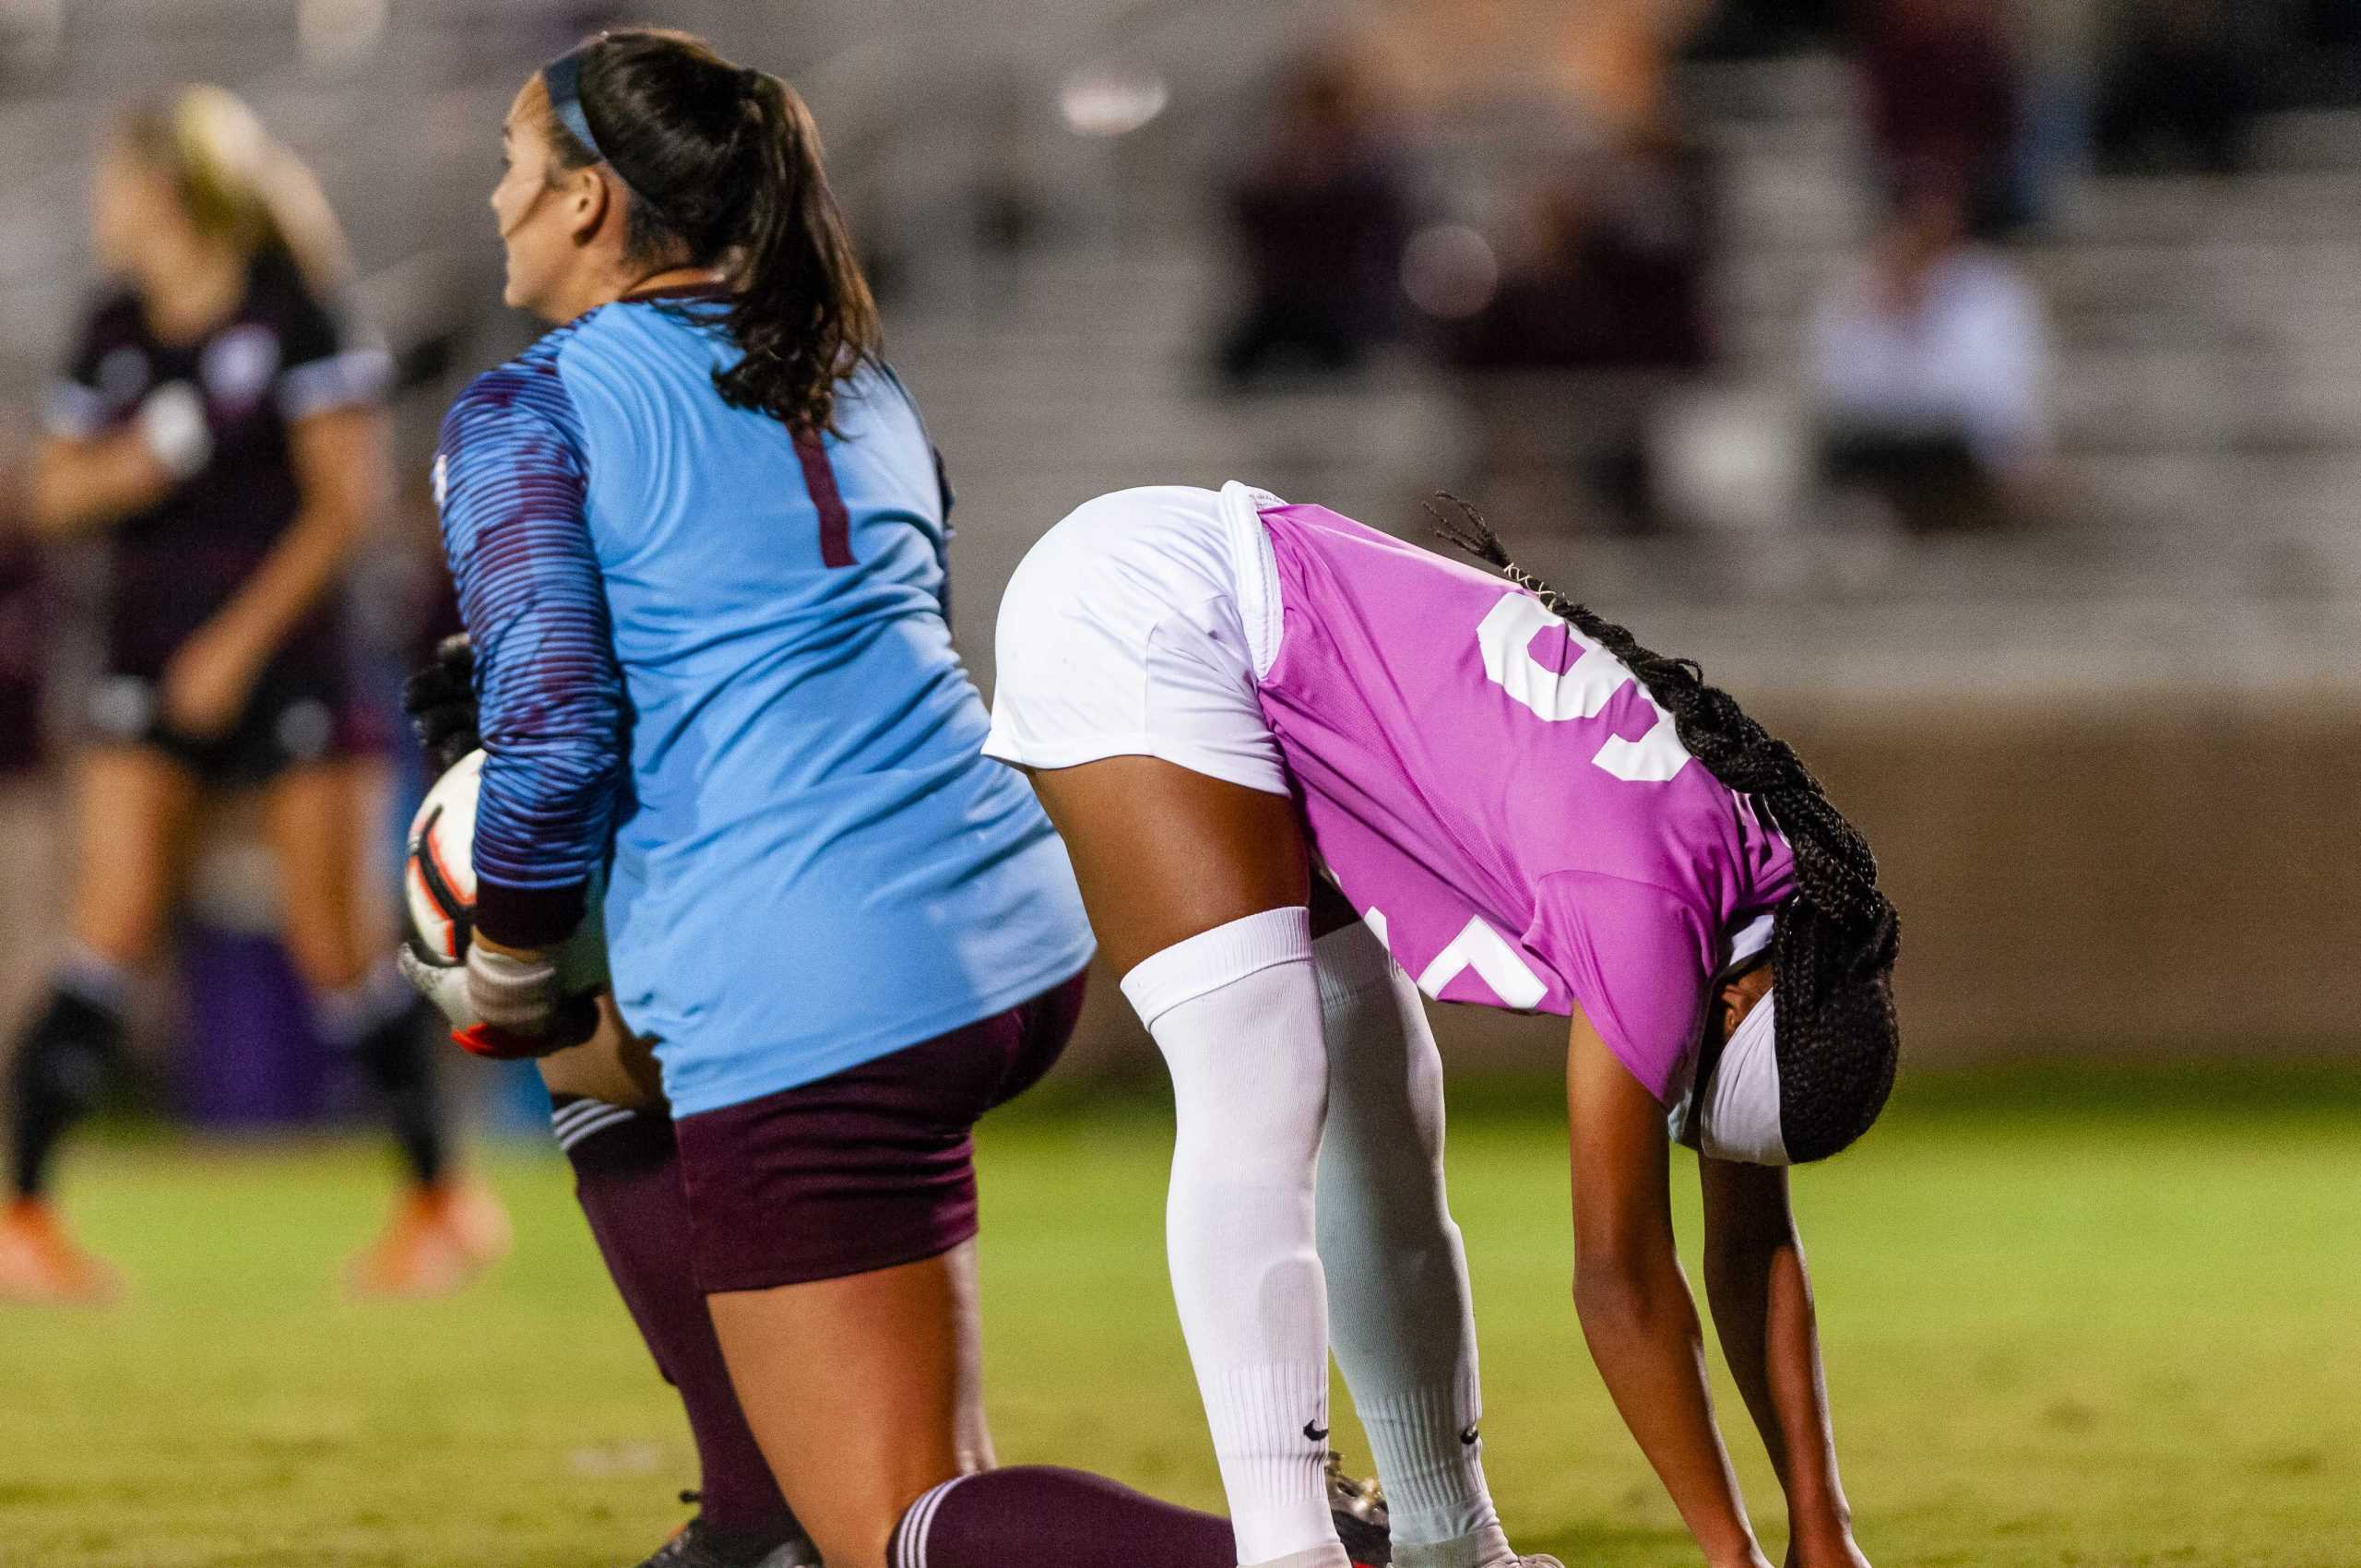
column 820, row 479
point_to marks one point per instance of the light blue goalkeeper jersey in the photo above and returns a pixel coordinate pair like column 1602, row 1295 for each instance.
column 715, row 656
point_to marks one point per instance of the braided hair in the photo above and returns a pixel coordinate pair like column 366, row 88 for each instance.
column 1833, row 943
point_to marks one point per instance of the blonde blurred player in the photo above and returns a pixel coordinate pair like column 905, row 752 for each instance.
column 221, row 426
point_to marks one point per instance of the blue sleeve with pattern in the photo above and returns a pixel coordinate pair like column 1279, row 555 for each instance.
column 510, row 480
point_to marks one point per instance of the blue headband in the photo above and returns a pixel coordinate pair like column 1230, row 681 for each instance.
column 561, row 79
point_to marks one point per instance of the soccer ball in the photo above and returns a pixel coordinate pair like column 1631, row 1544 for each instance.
column 439, row 884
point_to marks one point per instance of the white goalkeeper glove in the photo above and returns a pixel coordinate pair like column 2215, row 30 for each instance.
column 501, row 1006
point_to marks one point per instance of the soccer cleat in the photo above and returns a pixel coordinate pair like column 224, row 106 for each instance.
column 438, row 1239
column 694, row 1545
column 41, row 1264
column 1358, row 1509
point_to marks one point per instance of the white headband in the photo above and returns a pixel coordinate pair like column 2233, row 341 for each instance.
column 1742, row 1112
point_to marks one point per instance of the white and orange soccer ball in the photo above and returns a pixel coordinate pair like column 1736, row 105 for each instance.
column 439, row 883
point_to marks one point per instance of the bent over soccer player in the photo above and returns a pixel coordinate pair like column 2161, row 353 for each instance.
column 1217, row 694
column 697, row 533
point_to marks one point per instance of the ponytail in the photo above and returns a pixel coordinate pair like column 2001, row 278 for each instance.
column 1833, row 943
column 804, row 315
column 722, row 167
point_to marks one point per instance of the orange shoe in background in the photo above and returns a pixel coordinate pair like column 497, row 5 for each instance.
column 39, row 1264
column 438, row 1239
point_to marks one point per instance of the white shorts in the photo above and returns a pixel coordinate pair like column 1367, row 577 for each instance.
column 1139, row 627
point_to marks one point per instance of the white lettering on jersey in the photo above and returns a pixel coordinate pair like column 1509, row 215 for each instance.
column 1478, row 948
column 1583, row 691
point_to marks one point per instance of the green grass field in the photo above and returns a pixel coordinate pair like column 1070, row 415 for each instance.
column 2069, row 1321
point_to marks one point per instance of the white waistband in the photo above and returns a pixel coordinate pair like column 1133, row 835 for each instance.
column 1257, row 570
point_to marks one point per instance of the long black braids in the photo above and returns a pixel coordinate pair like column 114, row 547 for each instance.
column 1833, row 951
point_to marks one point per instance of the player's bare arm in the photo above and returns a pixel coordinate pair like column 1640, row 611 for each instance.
column 80, row 485
column 1760, row 1295
column 1637, row 1315
column 614, row 1066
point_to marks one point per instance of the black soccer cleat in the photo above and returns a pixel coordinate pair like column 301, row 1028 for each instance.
column 1358, row 1509
column 696, row 1545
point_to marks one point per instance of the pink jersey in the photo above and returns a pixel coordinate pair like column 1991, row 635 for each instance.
column 1502, row 799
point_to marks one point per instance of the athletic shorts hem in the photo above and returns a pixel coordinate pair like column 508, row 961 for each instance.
column 726, row 1088
column 174, row 749
column 816, row 1266
column 870, row 1169
column 297, row 715
column 1098, row 748
column 1140, row 626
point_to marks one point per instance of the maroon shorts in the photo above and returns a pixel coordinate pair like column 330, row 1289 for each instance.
column 865, row 1171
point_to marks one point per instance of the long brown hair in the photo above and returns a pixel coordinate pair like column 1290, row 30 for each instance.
column 722, row 163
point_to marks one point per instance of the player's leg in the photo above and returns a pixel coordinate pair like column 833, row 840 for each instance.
column 1396, row 1272
column 1399, row 1303
column 132, row 807
column 611, row 1118
column 1197, row 889
column 445, row 1228
column 615, row 1125
column 312, row 819
column 1129, row 643
column 835, row 1229
column 851, row 1387
column 866, row 1433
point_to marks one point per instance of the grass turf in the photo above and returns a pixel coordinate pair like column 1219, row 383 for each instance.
column 2070, row 1319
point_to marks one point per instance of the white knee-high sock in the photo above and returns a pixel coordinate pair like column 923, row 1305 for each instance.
column 1399, row 1302
column 1236, row 1013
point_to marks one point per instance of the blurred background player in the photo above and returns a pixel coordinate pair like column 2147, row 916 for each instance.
column 847, row 933
column 1218, row 695
column 221, row 424
column 1319, row 213
column 1930, row 369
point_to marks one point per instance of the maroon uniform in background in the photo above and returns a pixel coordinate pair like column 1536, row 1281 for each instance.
column 282, row 356
column 24, row 658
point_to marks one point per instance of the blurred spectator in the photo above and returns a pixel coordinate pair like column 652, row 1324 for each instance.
column 1930, row 367
column 2331, row 24
column 2317, row 64
column 1615, row 276
column 1320, row 216
column 2186, row 82
column 2063, row 43
column 1610, row 300
column 1943, row 87
column 1749, row 29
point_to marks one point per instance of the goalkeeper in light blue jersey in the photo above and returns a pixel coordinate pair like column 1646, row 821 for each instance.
column 698, row 534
